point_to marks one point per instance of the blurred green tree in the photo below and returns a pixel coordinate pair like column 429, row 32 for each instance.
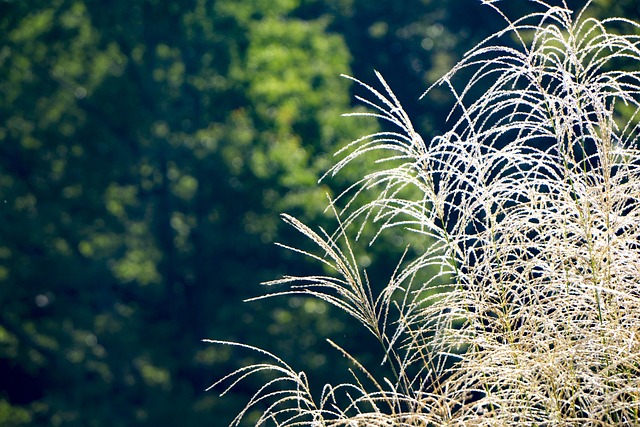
column 147, row 148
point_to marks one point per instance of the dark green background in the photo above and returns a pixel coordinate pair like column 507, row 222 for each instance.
column 146, row 150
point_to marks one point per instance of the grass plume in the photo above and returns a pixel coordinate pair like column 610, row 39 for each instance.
column 530, row 202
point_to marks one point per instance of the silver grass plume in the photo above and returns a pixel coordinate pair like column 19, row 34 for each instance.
column 530, row 204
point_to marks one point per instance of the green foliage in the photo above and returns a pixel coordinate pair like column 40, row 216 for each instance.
column 145, row 152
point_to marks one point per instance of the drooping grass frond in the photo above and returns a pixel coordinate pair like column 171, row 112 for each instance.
column 530, row 208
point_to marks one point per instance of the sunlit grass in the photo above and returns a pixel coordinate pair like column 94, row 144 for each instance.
column 529, row 204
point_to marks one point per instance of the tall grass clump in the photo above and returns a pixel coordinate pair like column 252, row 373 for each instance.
column 530, row 204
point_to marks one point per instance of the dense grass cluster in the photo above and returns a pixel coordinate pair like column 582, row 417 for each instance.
column 530, row 203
